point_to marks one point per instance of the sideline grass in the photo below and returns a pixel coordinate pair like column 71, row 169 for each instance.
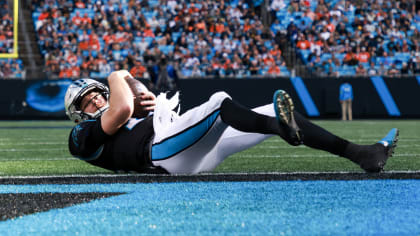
column 40, row 148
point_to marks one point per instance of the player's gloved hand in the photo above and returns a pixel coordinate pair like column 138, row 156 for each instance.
column 144, row 103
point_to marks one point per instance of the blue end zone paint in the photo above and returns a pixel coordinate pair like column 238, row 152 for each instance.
column 183, row 140
column 418, row 79
column 304, row 96
column 385, row 96
column 366, row 207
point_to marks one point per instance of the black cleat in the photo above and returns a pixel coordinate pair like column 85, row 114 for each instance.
column 283, row 106
column 380, row 152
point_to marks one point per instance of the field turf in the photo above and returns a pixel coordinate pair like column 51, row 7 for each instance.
column 64, row 206
column 38, row 148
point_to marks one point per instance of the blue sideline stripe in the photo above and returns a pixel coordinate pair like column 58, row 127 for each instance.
column 304, row 96
column 385, row 96
column 183, row 140
column 418, row 79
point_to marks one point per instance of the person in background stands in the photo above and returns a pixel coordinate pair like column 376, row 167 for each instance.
column 346, row 98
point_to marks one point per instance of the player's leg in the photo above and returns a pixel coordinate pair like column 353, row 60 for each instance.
column 182, row 145
column 371, row 158
column 234, row 141
column 246, row 120
column 182, row 149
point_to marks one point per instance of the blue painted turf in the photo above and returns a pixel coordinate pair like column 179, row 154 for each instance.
column 367, row 207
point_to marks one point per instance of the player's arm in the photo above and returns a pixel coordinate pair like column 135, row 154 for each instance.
column 121, row 104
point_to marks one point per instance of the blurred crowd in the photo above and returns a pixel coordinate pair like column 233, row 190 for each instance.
column 148, row 38
column 338, row 37
column 191, row 38
column 6, row 28
column 9, row 68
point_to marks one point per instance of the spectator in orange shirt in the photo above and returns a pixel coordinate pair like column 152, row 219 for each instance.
column 220, row 27
column 275, row 51
column 94, row 42
column 193, row 9
column 138, row 70
column 201, row 25
column 350, row 59
column 84, row 45
column 77, row 19
column 269, row 60
column 72, row 59
column 65, row 72
column 44, row 15
column 273, row 69
column 362, row 56
column 121, row 36
column 148, row 32
column 86, row 20
column 54, row 12
column 331, row 27
column 86, row 64
column 75, row 72
column 303, row 43
column 109, row 37
column 79, row 4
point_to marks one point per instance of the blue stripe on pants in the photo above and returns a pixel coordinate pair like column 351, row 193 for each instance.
column 385, row 96
column 175, row 144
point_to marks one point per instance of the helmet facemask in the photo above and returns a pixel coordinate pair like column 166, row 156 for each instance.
column 76, row 92
column 98, row 112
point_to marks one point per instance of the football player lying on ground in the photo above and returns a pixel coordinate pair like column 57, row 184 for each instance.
column 118, row 130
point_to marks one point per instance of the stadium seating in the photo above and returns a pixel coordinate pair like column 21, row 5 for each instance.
column 211, row 34
column 142, row 28
column 9, row 68
column 341, row 26
column 12, row 68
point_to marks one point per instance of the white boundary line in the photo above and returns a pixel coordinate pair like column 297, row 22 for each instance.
column 297, row 156
column 205, row 174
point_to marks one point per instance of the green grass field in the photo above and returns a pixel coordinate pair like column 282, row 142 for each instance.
column 33, row 148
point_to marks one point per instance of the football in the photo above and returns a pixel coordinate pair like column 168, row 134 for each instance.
column 137, row 88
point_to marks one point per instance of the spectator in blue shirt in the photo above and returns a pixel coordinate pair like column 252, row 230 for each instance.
column 346, row 98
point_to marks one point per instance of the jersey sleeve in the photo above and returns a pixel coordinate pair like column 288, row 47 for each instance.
column 87, row 140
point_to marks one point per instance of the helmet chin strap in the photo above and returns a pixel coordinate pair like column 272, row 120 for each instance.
column 98, row 113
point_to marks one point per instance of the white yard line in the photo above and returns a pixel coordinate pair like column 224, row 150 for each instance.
column 31, row 143
column 39, row 159
column 353, row 140
column 316, row 155
column 32, row 150
column 299, row 147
